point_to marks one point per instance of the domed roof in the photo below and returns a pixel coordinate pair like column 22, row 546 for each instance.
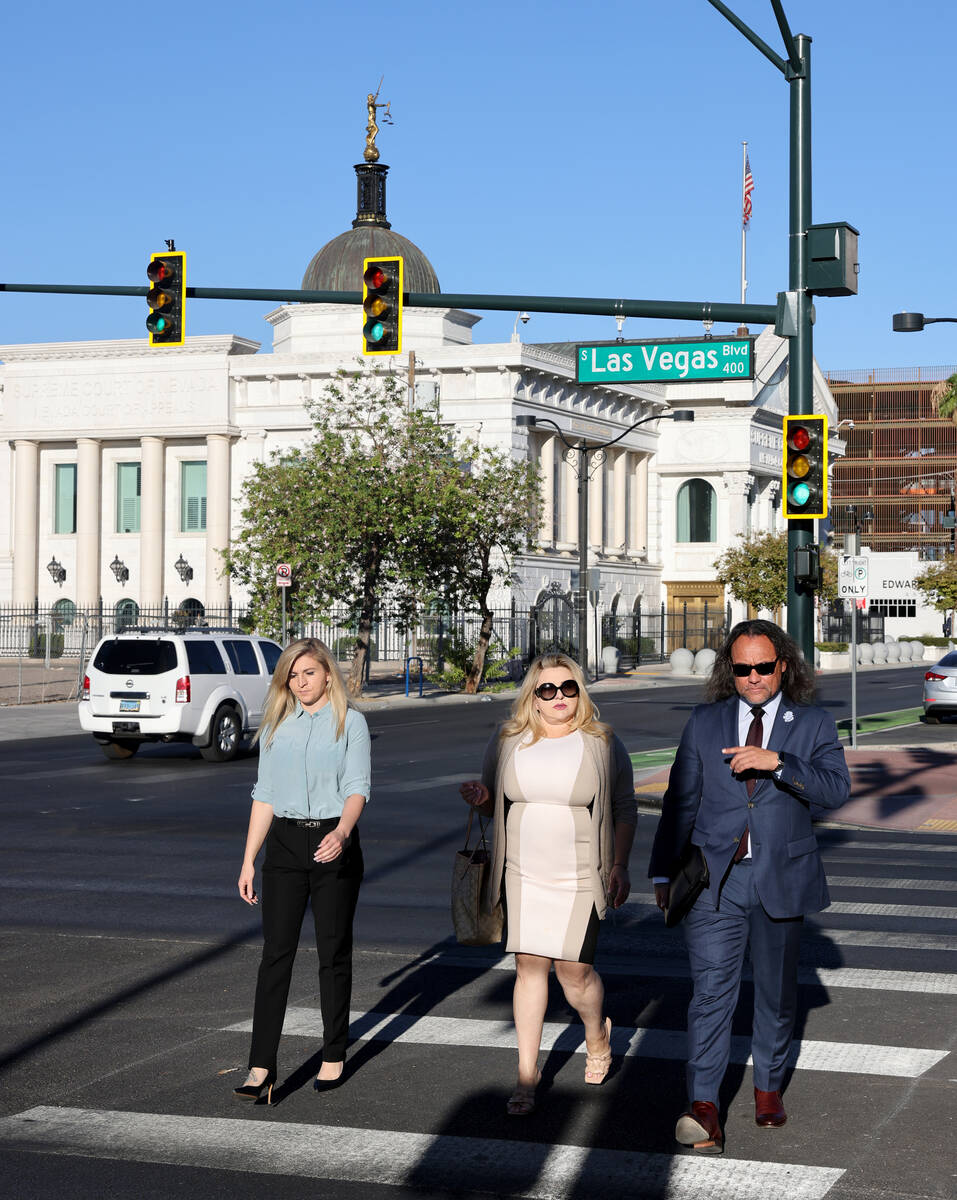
column 337, row 267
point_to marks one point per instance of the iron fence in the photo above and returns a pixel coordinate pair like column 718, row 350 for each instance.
column 652, row 636
column 517, row 634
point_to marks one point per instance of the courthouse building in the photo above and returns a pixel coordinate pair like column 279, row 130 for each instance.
column 123, row 464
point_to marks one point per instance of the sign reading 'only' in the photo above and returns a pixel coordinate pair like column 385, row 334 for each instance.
column 666, row 361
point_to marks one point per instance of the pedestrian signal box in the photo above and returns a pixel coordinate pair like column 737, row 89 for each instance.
column 804, row 471
column 167, row 298
column 382, row 286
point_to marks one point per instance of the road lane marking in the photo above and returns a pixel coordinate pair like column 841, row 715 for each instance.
column 879, row 881
column 530, row 1170
column 846, row 1057
column 846, row 908
column 826, row 977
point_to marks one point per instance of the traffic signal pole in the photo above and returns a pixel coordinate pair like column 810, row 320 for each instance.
column 797, row 71
column 671, row 310
column 800, row 349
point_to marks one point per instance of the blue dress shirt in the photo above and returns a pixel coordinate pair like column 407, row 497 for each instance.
column 306, row 773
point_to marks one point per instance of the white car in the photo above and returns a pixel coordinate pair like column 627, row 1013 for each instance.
column 207, row 687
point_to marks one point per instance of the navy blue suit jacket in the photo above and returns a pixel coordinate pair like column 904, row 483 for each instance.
column 706, row 803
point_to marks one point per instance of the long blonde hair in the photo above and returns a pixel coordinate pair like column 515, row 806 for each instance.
column 524, row 711
column 280, row 701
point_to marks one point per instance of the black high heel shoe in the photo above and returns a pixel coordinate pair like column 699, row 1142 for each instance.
column 326, row 1085
column 252, row 1091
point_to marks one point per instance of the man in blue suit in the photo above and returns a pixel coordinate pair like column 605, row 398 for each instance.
column 755, row 765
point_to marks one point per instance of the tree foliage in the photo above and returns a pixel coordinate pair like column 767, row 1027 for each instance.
column 378, row 506
column 491, row 515
column 357, row 511
column 937, row 583
column 755, row 570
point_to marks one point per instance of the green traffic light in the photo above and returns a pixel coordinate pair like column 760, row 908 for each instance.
column 800, row 494
column 376, row 332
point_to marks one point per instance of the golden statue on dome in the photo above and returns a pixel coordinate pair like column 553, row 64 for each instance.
column 371, row 152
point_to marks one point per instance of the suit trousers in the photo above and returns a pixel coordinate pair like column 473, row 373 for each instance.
column 291, row 880
column 716, row 940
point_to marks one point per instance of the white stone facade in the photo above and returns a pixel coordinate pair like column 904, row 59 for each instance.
column 100, row 405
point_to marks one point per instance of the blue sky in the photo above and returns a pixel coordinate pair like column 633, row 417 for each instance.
column 542, row 148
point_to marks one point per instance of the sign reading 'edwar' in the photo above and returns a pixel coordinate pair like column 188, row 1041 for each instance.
column 666, row 361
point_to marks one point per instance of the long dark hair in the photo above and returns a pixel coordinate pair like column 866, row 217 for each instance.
column 797, row 682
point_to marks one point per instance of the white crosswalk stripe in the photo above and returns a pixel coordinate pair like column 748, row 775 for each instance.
column 901, row 1061
column 372, row 1156
column 881, row 881
column 850, row 977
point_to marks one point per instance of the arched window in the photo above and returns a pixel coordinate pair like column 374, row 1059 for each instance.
column 697, row 512
column 125, row 614
column 190, row 612
column 64, row 613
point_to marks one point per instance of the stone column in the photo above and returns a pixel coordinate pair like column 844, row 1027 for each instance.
column 596, row 492
column 546, row 535
column 89, row 489
column 639, row 505
column 26, row 475
column 570, row 507
column 217, row 518
column 620, row 492
column 737, row 485
column 152, row 521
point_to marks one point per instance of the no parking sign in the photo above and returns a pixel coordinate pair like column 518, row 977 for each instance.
column 283, row 575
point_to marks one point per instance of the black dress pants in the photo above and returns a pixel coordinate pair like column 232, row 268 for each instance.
column 291, row 879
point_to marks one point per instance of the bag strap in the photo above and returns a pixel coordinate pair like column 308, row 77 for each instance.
column 483, row 825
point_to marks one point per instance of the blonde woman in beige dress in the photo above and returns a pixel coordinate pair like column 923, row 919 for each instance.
column 559, row 787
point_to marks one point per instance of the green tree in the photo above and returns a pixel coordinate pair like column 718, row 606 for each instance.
column 356, row 511
column 937, row 583
column 491, row 514
column 755, row 570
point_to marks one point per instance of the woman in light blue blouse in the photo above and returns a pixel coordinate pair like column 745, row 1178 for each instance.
column 314, row 778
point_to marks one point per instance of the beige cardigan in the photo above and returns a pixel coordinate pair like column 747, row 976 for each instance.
column 614, row 803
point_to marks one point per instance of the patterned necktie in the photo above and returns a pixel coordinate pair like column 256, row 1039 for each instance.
column 755, row 738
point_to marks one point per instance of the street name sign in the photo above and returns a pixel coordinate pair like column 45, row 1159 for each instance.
column 666, row 361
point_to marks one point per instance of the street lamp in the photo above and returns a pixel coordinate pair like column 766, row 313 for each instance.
column 577, row 454
column 908, row 322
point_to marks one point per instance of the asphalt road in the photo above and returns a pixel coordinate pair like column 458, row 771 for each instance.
column 129, row 963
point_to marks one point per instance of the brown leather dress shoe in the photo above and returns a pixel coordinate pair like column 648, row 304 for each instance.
column 769, row 1109
column 699, row 1128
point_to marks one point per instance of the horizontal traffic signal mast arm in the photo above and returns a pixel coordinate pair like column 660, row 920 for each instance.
column 676, row 310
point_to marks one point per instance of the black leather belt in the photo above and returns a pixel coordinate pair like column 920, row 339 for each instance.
column 302, row 824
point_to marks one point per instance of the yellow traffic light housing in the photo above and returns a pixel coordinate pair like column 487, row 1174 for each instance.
column 167, row 298
column 804, row 470
column 382, row 286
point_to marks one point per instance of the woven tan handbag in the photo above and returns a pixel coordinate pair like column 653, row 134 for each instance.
column 469, row 873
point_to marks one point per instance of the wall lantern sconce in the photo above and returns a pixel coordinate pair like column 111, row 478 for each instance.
column 183, row 569
column 119, row 569
column 57, row 571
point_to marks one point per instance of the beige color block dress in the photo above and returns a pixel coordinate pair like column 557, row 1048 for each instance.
column 550, row 787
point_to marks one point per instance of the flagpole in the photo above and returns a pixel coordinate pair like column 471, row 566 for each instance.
column 744, row 224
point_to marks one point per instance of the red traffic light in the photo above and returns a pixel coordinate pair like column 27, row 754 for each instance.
column 800, row 438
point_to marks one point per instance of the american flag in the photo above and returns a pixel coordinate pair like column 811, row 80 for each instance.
column 748, row 189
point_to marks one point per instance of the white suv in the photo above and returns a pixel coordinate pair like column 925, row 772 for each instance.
column 207, row 687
